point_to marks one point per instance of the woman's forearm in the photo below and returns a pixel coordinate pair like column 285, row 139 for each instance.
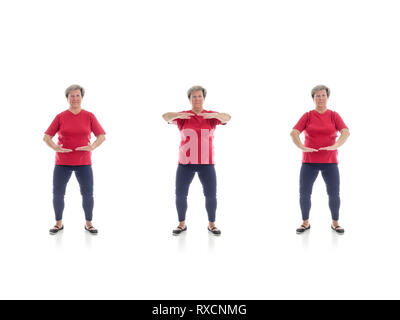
column 296, row 139
column 170, row 116
column 223, row 117
column 344, row 134
column 100, row 139
column 49, row 141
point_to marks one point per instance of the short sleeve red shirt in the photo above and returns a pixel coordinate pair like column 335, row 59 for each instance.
column 74, row 130
column 320, row 130
column 197, row 135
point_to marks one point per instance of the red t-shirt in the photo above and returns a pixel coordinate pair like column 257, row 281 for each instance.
column 74, row 130
column 320, row 130
column 197, row 136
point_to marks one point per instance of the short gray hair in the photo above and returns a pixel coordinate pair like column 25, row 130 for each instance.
column 74, row 87
column 196, row 88
column 320, row 87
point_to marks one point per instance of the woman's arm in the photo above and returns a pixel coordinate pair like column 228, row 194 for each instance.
column 171, row 116
column 100, row 139
column 344, row 134
column 223, row 117
column 57, row 148
column 90, row 147
column 295, row 134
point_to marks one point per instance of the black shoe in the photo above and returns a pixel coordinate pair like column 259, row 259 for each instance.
column 92, row 230
column 303, row 229
column 214, row 230
column 55, row 229
column 178, row 230
column 338, row 231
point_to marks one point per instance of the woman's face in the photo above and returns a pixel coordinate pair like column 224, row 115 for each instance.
column 75, row 98
column 320, row 99
column 197, row 99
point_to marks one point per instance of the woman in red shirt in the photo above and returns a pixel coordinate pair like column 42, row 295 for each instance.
column 73, row 153
column 196, row 154
column 320, row 154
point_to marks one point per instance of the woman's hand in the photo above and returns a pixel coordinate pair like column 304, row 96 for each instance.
column 213, row 115
column 183, row 115
column 85, row 148
column 223, row 117
column 330, row 148
column 295, row 134
column 306, row 149
column 59, row 148
column 171, row 116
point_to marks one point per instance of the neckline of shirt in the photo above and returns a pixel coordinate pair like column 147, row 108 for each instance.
column 322, row 112
column 77, row 114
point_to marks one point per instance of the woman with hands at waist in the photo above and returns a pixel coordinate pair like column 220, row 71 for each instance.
column 320, row 154
column 73, row 154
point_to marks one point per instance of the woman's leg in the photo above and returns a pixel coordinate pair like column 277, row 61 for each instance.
column 208, row 179
column 61, row 176
column 308, row 175
column 184, row 177
column 84, row 175
column 330, row 173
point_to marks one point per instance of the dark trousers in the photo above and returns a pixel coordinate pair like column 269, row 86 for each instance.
column 308, row 175
column 184, row 176
column 84, row 175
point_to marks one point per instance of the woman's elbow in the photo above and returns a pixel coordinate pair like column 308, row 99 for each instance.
column 294, row 133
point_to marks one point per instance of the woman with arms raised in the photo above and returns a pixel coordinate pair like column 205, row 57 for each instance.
column 196, row 155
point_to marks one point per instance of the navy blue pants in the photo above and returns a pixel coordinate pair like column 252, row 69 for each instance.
column 308, row 175
column 208, row 178
column 84, row 175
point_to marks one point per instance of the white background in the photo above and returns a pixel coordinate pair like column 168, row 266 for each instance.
column 258, row 61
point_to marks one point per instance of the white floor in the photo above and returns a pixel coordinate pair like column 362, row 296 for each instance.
column 258, row 256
